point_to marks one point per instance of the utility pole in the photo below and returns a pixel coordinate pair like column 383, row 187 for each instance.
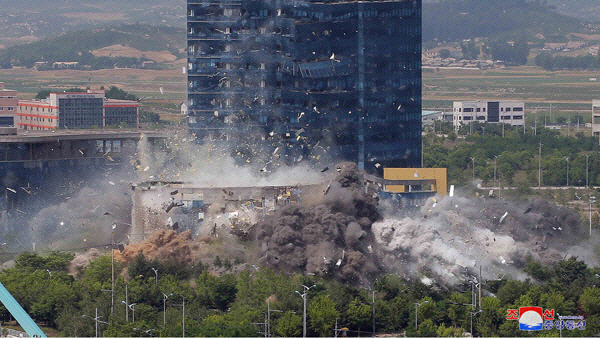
column 304, row 296
column 567, row 158
column 587, row 176
column 495, row 163
column 373, row 312
column 473, row 160
column 183, row 318
column 535, row 124
column 112, row 272
column 480, row 285
column 540, row 168
column 95, row 319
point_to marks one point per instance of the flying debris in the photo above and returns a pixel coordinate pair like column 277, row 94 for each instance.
column 11, row 190
column 173, row 193
column 503, row 217
column 325, row 169
column 162, row 91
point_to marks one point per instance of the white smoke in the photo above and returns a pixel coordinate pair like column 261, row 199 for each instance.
column 451, row 239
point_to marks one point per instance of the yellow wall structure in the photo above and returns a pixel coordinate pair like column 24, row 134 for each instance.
column 440, row 175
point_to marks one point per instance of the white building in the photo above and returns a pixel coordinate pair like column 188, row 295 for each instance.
column 596, row 117
column 509, row 112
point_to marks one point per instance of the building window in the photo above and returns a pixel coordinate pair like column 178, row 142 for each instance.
column 518, row 117
column 468, row 118
column 468, row 110
column 518, row 109
column 507, row 108
column 478, row 110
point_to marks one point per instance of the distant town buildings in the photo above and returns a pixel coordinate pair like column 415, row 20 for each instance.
column 340, row 75
column 8, row 106
column 76, row 111
column 430, row 116
column 509, row 112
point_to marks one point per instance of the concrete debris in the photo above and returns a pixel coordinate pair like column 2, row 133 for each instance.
column 503, row 217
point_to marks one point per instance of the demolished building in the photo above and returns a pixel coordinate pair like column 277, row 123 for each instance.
column 330, row 78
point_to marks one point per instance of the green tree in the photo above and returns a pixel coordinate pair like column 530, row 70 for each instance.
column 590, row 301
column 359, row 314
column 119, row 94
column 427, row 328
column 322, row 314
column 289, row 325
column 444, row 53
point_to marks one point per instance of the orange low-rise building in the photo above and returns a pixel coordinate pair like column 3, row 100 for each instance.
column 76, row 111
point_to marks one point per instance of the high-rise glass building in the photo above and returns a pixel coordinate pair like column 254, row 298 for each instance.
column 314, row 78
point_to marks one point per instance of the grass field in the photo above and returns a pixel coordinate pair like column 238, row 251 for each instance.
column 143, row 83
column 569, row 92
column 566, row 91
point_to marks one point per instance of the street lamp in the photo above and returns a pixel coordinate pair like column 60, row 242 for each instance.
column 473, row 314
column 304, row 296
column 96, row 319
column 132, row 307
column 592, row 200
column 165, row 297
column 417, row 305
column 567, row 158
column 126, row 302
column 156, row 273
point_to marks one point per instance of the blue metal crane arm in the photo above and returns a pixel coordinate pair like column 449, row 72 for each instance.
column 20, row 315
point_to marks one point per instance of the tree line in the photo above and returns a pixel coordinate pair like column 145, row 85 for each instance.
column 515, row 152
column 549, row 62
column 236, row 304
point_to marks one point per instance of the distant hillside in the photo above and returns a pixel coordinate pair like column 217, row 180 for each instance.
column 452, row 20
column 584, row 9
column 27, row 20
column 124, row 45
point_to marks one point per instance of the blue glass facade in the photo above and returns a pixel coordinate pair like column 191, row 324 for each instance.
column 340, row 76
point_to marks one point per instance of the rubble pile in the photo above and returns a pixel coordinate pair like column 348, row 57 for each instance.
column 330, row 238
column 164, row 245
